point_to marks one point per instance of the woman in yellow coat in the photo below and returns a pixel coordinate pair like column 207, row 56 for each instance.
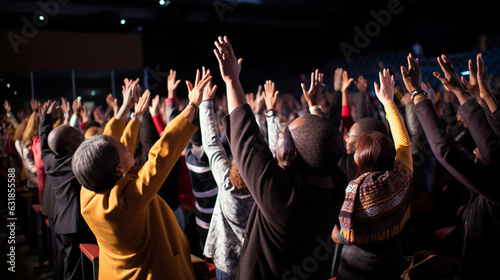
column 137, row 233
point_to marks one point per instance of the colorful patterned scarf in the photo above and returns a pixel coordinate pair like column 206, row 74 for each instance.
column 376, row 206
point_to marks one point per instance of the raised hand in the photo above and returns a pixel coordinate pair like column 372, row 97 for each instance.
column 346, row 81
column 270, row 95
column 315, row 89
column 7, row 107
column 337, row 79
column 451, row 80
column 154, row 108
column 412, row 77
column 129, row 92
column 47, row 107
column 76, row 106
column 230, row 66
column 256, row 102
column 472, row 85
column 208, row 90
column 385, row 92
column 195, row 94
column 172, row 83
column 112, row 103
column 484, row 85
column 65, row 107
column 35, row 105
column 142, row 104
column 84, row 114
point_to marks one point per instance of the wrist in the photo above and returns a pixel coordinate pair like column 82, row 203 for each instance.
column 136, row 117
column 194, row 105
column 270, row 113
column 314, row 108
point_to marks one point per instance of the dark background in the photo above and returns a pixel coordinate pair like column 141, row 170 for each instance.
column 278, row 40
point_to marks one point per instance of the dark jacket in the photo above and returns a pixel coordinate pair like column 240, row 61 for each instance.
column 482, row 215
column 67, row 217
column 289, row 228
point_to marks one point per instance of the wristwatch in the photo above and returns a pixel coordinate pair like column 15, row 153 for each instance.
column 270, row 113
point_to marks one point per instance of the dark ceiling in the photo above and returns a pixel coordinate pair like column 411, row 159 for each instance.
column 275, row 38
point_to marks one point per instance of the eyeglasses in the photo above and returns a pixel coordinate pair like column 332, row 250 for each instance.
column 349, row 134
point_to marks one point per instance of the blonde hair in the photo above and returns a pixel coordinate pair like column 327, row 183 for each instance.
column 31, row 128
column 18, row 134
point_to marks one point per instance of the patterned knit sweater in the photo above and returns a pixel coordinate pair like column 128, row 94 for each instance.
column 377, row 204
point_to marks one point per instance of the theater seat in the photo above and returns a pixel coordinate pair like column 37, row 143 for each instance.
column 90, row 252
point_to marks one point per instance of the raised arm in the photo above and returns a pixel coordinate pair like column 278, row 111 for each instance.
column 129, row 136
column 11, row 117
column 154, row 111
column 315, row 90
column 273, row 121
column 45, row 127
column 257, row 166
column 449, row 153
column 482, row 92
column 166, row 151
column 385, row 93
column 218, row 159
column 129, row 98
column 256, row 102
column 230, row 68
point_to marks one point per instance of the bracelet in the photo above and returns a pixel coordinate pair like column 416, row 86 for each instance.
column 270, row 113
column 194, row 105
column 418, row 92
column 315, row 107
column 420, row 96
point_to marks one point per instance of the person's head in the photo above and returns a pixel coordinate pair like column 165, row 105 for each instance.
column 100, row 161
column 31, row 128
column 309, row 143
column 235, row 178
column 374, row 151
column 93, row 128
column 64, row 139
column 361, row 126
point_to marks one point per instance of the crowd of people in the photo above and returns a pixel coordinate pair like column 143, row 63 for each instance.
column 336, row 183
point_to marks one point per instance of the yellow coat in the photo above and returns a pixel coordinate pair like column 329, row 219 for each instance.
column 137, row 232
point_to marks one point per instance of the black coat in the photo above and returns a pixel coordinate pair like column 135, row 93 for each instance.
column 482, row 215
column 67, row 217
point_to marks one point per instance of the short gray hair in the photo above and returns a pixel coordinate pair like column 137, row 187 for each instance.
column 94, row 163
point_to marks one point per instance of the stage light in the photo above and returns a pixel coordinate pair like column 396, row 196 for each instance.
column 41, row 18
column 92, row 92
column 163, row 2
column 465, row 73
column 8, row 85
column 122, row 21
